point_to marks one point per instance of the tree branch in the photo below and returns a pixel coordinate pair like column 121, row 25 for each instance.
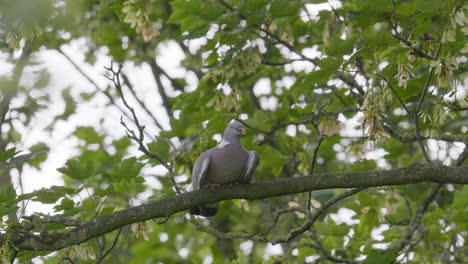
column 54, row 240
column 157, row 71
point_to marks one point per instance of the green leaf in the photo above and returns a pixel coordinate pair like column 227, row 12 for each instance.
column 160, row 147
column 43, row 80
column 377, row 257
column 429, row 6
column 271, row 159
column 259, row 120
column 364, row 165
column 39, row 147
column 331, row 229
column 394, row 148
column 339, row 47
column 89, row 135
column 254, row 5
column 87, row 96
column 8, row 195
column 282, row 110
column 9, row 153
column 127, row 169
column 328, row 66
column 77, row 170
column 47, row 195
column 121, row 145
column 282, row 8
column 107, row 210
column 70, row 105
column 67, row 204
column 24, row 158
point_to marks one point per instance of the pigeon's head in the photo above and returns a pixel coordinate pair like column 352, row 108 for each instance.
column 233, row 130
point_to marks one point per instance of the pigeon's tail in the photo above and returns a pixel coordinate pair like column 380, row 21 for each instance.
column 203, row 210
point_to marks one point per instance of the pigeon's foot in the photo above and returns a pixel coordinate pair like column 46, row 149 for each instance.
column 211, row 185
column 233, row 183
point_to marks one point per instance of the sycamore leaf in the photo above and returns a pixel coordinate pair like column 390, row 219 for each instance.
column 78, row 170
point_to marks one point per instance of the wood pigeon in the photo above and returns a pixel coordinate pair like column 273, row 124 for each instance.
column 227, row 163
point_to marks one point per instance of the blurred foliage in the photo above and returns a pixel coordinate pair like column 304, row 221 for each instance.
column 326, row 64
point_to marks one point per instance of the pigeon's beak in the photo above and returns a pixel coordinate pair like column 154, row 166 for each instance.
column 241, row 130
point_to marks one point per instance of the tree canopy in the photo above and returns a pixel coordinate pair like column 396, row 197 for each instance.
column 358, row 110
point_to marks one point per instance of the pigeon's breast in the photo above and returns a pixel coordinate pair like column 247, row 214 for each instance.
column 226, row 163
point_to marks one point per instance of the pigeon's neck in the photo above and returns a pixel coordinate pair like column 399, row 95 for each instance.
column 227, row 141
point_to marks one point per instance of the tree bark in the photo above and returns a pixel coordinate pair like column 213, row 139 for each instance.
column 54, row 240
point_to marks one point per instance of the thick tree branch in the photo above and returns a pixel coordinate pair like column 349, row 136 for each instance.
column 54, row 240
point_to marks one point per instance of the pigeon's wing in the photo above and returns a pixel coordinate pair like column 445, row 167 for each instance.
column 200, row 170
column 250, row 166
column 199, row 175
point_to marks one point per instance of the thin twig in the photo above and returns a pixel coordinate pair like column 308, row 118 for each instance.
column 66, row 221
column 325, row 254
column 160, row 222
column 281, row 63
column 277, row 217
column 397, row 35
column 463, row 156
column 114, row 243
column 13, row 255
column 408, row 205
column 312, row 166
column 418, row 107
column 388, row 83
column 314, row 157
column 90, row 80
column 416, row 220
column 140, row 102
column 115, row 78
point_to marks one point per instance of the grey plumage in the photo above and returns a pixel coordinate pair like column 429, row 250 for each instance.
column 226, row 163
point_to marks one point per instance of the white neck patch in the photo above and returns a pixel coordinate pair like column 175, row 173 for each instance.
column 223, row 143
